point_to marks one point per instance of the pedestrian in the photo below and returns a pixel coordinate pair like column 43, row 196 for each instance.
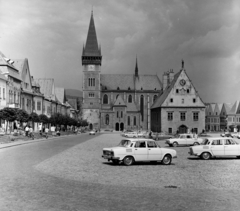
column 26, row 130
column 46, row 132
column 40, row 128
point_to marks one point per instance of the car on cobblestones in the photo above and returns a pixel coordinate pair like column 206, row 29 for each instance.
column 184, row 139
column 134, row 150
column 216, row 147
column 131, row 135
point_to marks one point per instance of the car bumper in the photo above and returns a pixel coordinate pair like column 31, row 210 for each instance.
column 175, row 156
column 110, row 157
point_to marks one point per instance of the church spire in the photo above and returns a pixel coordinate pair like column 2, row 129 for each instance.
column 136, row 68
column 91, row 52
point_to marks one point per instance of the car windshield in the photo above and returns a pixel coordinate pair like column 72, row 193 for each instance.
column 205, row 142
column 124, row 143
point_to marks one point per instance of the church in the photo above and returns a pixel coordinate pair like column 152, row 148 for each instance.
column 124, row 101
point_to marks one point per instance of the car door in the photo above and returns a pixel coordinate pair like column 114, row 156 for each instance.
column 217, row 147
column 154, row 152
column 140, row 151
column 230, row 148
column 182, row 140
column 189, row 140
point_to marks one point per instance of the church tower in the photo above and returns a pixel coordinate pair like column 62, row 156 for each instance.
column 91, row 62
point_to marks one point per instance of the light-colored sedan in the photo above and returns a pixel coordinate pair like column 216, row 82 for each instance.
column 134, row 150
column 216, row 147
column 131, row 135
column 92, row 132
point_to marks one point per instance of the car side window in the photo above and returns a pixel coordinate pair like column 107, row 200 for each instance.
column 151, row 144
column 217, row 142
column 227, row 142
column 140, row 144
column 189, row 136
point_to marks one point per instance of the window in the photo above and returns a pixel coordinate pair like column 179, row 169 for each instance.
column 217, row 142
column 121, row 114
column 0, row 93
column 187, row 90
column 130, row 98
column 34, row 104
column 194, row 100
column 177, row 91
column 140, row 144
column 170, row 130
column 154, row 98
column 38, row 106
column 117, row 114
column 117, row 96
column 48, row 110
column 91, row 82
column 171, row 100
column 151, row 144
column 128, row 120
column 91, row 103
column 4, row 93
column 170, row 116
column 105, row 99
column 18, row 99
column 107, row 119
column 182, row 116
column 91, row 94
column 182, row 101
column 195, row 116
column 142, row 106
column 134, row 121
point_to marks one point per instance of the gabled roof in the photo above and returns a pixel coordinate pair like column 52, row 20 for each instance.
column 47, row 87
column 91, row 48
column 129, row 81
column 160, row 100
column 19, row 64
column 60, row 94
column 235, row 108
column 119, row 102
column 4, row 61
column 228, row 107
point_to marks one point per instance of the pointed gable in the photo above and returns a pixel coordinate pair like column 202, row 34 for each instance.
column 119, row 102
column 91, row 48
column 235, row 108
column 180, row 93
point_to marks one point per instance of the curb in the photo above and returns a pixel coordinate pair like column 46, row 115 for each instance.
column 7, row 145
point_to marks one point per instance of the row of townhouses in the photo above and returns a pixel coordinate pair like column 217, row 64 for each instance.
column 223, row 116
column 18, row 89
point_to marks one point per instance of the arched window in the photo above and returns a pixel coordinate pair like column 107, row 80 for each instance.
column 154, row 98
column 117, row 114
column 130, row 98
column 128, row 120
column 142, row 106
column 105, row 99
column 121, row 114
column 134, row 121
column 107, row 119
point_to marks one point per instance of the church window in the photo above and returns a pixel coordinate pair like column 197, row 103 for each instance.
column 128, row 120
column 105, row 99
column 91, row 94
column 107, row 119
column 134, row 121
column 91, row 82
column 130, row 98
column 154, row 98
column 142, row 106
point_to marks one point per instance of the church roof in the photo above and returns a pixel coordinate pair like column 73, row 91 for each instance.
column 131, row 107
column 129, row 81
column 119, row 102
column 91, row 48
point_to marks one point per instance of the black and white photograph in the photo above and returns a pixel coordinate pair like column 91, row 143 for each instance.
column 109, row 105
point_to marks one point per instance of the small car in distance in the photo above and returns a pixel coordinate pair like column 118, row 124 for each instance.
column 92, row 132
column 131, row 135
column 216, row 147
column 227, row 134
column 134, row 150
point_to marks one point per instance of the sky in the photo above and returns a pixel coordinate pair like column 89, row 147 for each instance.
column 160, row 33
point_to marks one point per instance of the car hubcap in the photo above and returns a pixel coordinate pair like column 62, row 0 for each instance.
column 128, row 161
column 166, row 159
column 205, row 155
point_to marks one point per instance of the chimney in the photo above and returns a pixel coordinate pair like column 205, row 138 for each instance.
column 165, row 80
column 171, row 76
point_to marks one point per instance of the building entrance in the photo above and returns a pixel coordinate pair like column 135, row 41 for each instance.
column 182, row 129
column 117, row 126
column 122, row 126
column 91, row 126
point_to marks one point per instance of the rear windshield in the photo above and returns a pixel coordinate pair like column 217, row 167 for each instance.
column 124, row 143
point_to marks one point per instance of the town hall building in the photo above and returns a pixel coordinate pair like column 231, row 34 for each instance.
column 126, row 101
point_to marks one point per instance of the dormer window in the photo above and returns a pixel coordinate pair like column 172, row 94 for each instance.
column 171, row 100
column 194, row 100
column 129, row 88
column 105, row 88
column 141, row 88
column 118, row 88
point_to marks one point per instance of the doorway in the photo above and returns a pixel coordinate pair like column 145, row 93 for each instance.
column 182, row 129
column 117, row 126
column 122, row 126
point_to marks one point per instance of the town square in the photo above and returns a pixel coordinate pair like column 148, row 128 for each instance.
column 119, row 105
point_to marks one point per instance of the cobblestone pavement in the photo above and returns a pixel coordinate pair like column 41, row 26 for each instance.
column 79, row 179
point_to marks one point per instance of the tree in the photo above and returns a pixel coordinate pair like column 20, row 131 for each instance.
column 34, row 117
column 43, row 118
column 21, row 115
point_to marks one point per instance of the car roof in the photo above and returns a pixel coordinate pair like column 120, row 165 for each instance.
column 214, row 138
column 138, row 139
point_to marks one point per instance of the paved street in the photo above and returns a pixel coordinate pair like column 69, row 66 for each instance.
column 68, row 173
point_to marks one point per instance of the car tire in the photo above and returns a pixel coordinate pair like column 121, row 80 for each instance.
column 175, row 144
column 167, row 160
column 205, row 155
column 128, row 161
column 195, row 143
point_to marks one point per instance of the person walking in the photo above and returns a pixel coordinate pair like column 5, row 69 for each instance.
column 46, row 132
column 26, row 130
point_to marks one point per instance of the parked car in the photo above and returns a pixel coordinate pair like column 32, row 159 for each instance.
column 184, row 139
column 92, row 132
column 226, row 134
column 161, row 136
column 235, row 135
column 131, row 135
column 215, row 147
column 133, row 150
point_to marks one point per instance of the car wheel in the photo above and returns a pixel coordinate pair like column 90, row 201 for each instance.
column 175, row 144
column 167, row 160
column 128, row 161
column 205, row 155
column 195, row 143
